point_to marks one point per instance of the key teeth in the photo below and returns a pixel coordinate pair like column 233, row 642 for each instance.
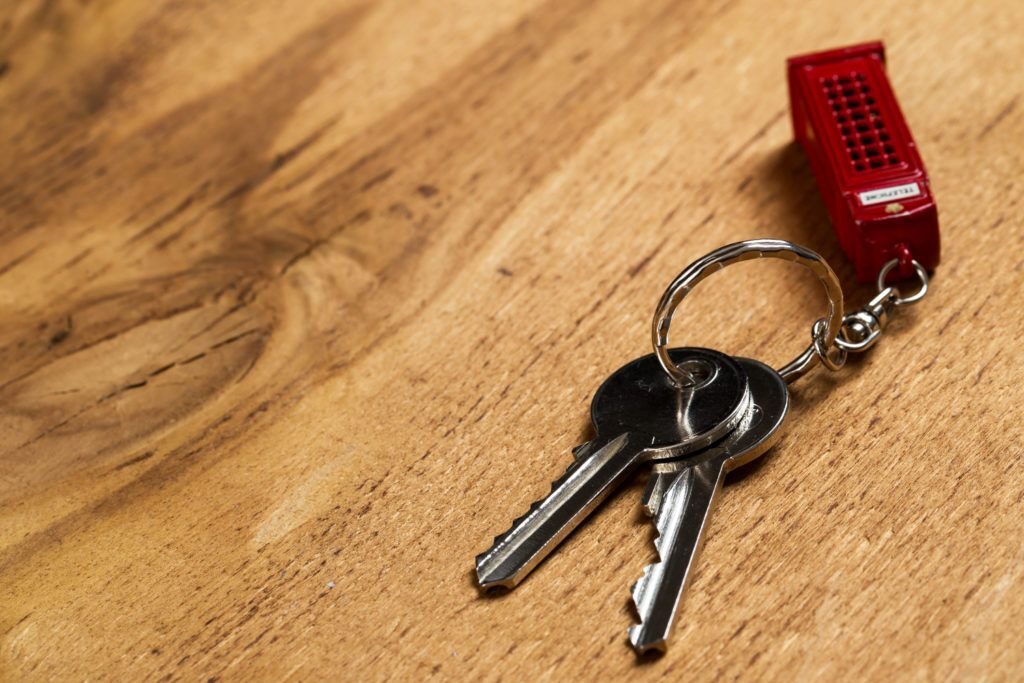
column 638, row 587
column 640, row 584
column 483, row 579
column 637, row 631
column 652, row 504
column 673, row 490
column 500, row 538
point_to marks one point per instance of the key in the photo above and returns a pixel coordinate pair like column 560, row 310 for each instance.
column 638, row 415
column 680, row 496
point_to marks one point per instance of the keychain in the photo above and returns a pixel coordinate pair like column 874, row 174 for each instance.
column 870, row 175
column 694, row 414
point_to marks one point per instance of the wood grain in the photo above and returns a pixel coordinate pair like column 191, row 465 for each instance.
column 301, row 303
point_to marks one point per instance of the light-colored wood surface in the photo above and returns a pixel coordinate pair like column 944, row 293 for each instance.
column 301, row 303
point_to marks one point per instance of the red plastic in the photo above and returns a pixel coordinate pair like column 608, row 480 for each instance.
column 869, row 172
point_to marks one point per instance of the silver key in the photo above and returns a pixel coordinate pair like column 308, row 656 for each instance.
column 680, row 496
column 638, row 416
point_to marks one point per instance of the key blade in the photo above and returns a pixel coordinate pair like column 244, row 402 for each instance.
column 576, row 494
column 681, row 517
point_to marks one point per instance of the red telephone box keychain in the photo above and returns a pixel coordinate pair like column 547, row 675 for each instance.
column 870, row 175
column 869, row 172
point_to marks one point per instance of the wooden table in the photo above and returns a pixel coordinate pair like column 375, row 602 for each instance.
column 301, row 303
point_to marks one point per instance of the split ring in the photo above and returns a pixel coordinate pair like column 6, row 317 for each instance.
column 735, row 253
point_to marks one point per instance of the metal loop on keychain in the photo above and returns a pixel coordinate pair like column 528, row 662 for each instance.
column 922, row 275
column 863, row 327
column 824, row 331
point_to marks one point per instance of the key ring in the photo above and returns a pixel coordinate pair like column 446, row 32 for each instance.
column 736, row 253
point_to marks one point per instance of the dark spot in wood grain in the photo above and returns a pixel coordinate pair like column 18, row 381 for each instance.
column 377, row 179
column 276, row 163
column 62, row 333
column 169, row 216
column 176, row 234
column 298, row 257
column 53, row 428
column 255, row 641
column 707, row 219
column 756, row 523
column 238, row 191
column 874, row 421
column 17, row 624
column 305, row 143
column 981, row 306
column 580, row 56
column 670, row 215
column 984, row 368
column 5, row 66
column 514, row 58
column 262, row 408
column 738, row 631
column 949, row 321
column 642, row 263
column 744, row 183
column 502, row 270
column 133, row 461
column 162, row 369
column 399, row 209
column 75, row 260
column 99, row 89
column 427, row 191
column 357, row 219
column 233, row 339
column 358, row 164
column 999, row 117
column 15, row 261
column 194, row 358
column 135, row 385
